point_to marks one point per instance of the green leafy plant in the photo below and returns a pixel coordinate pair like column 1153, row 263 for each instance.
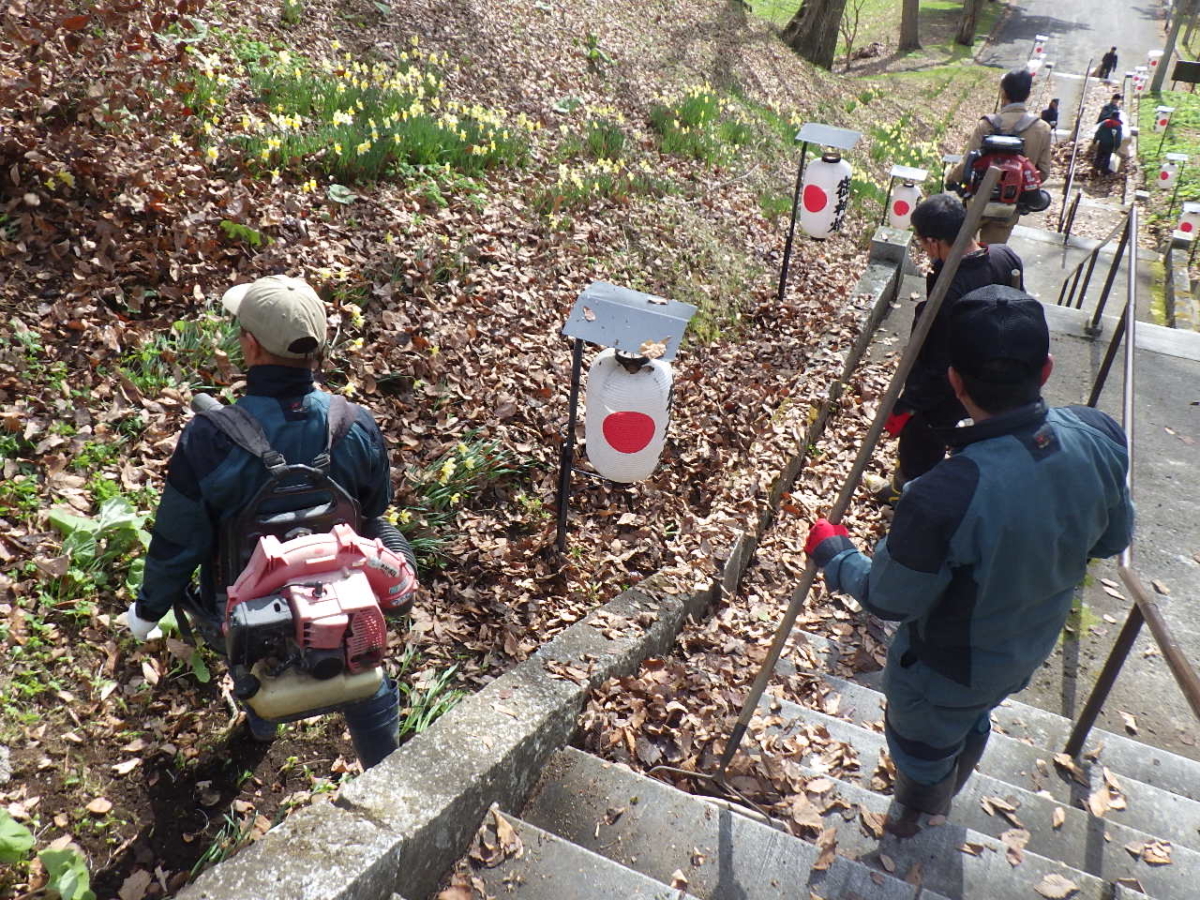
column 692, row 125
column 101, row 549
column 235, row 231
column 68, row 874
column 15, row 839
column 422, row 704
column 291, row 12
column 597, row 59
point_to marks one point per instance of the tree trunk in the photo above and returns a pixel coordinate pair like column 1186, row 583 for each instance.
column 966, row 25
column 813, row 30
column 1160, row 73
column 910, row 38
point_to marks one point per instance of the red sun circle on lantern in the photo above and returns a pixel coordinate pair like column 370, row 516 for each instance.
column 815, row 198
column 628, row 432
column 1162, row 123
column 1164, row 175
column 1186, row 227
column 901, row 207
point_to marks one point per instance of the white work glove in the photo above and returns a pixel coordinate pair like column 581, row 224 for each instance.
column 142, row 629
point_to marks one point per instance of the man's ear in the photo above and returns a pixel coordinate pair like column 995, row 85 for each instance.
column 1047, row 368
column 956, row 383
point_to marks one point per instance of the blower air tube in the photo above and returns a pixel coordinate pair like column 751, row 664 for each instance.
column 391, row 537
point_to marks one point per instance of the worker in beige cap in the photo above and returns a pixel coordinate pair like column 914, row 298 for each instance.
column 213, row 477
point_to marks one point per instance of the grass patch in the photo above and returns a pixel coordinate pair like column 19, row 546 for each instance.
column 697, row 125
column 426, row 698
column 439, row 490
column 1183, row 136
column 184, row 356
column 352, row 121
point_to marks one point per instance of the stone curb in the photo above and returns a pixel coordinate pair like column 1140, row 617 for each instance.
column 401, row 825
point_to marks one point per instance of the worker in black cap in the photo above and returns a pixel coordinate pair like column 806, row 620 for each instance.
column 985, row 550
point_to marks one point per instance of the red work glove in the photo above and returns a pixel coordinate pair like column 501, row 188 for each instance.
column 826, row 540
column 896, row 421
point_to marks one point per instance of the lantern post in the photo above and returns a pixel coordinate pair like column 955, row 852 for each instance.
column 909, row 177
column 639, row 327
column 1180, row 161
column 824, row 136
column 1189, row 227
column 1162, row 122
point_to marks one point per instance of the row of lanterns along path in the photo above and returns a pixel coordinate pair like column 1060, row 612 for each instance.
column 629, row 383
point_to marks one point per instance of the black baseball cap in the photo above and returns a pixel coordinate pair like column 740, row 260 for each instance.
column 998, row 323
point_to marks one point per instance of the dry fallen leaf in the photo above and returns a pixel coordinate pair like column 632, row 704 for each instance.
column 134, row 887
column 1130, row 722
column 1056, row 887
column 1014, row 841
column 887, row 862
column 1099, row 802
column 1157, row 853
column 873, row 822
column 1058, row 817
column 124, row 768
column 828, row 844
column 1063, row 761
column 99, row 806
column 679, row 881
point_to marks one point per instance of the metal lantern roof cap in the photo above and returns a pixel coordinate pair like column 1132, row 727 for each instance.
column 625, row 319
column 1041, row 37
column 952, row 159
column 827, row 136
column 1164, row 109
column 1191, row 206
column 909, row 173
column 1177, row 157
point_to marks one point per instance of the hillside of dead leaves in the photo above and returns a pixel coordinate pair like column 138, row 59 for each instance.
column 125, row 212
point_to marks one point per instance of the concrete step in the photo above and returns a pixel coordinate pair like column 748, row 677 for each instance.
column 1082, row 841
column 1148, row 809
column 654, row 829
column 550, row 868
column 945, row 854
column 1032, row 725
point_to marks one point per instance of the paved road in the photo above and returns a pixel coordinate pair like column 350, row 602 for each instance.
column 1079, row 30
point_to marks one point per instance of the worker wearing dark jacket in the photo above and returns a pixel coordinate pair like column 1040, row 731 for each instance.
column 210, row 479
column 986, row 549
column 927, row 407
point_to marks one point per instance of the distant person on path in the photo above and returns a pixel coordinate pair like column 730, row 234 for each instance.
column 927, row 410
column 1050, row 116
column 1014, row 118
column 1110, row 109
column 985, row 550
column 1108, row 63
column 1105, row 142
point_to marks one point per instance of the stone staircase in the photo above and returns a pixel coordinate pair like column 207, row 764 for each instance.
column 1023, row 827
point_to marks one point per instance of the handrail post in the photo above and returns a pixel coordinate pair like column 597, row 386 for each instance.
column 1133, row 623
column 1094, row 327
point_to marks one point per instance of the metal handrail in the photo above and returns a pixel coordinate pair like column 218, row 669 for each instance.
column 1071, row 216
column 1144, row 609
column 1087, row 74
column 1072, row 294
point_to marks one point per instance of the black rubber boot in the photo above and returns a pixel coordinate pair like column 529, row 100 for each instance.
column 972, row 752
column 931, row 799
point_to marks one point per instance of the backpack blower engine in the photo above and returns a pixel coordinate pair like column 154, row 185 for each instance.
column 1020, row 185
column 303, row 626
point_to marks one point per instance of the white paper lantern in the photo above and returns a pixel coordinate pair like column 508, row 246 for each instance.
column 1140, row 79
column 905, row 196
column 1162, row 117
column 1034, row 66
column 1167, row 174
column 825, row 195
column 1154, row 57
column 627, row 416
column 1189, row 222
column 1039, row 48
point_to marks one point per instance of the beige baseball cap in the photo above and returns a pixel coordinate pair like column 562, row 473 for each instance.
column 284, row 314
